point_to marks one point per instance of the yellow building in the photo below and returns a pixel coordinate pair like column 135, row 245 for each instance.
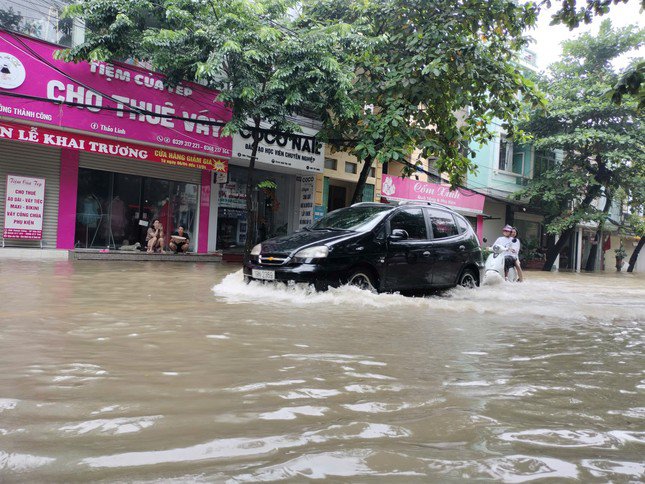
column 335, row 186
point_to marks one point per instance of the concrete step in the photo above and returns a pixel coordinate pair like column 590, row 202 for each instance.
column 121, row 255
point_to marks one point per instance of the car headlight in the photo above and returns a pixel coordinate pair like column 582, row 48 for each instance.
column 256, row 250
column 317, row 252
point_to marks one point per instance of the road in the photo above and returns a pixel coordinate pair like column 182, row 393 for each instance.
column 151, row 372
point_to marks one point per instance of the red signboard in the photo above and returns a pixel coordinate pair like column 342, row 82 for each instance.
column 94, row 144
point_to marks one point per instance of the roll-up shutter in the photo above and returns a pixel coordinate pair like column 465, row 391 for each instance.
column 25, row 159
column 142, row 168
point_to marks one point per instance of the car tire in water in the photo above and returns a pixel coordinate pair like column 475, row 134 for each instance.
column 363, row 279
column 468, row 279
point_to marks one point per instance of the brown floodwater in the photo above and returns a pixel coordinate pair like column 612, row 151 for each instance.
column 145, row 372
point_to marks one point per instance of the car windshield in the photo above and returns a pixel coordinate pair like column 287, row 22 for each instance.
column 351, row 218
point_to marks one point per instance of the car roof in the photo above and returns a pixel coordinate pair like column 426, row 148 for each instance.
column 404, row 203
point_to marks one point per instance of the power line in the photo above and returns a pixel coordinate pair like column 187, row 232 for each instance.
column 156, row 115
column 80, row 83
column 221, row 123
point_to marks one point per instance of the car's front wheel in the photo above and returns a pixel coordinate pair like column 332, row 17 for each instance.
column 362, row 279
column 468, row 279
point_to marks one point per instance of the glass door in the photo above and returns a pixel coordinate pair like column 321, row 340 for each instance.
column 93, row 204
column 115, row 209
column 157, row 204
column 173, row 203
column 125, row 209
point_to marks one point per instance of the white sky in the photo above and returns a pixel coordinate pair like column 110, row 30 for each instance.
column 548, row 37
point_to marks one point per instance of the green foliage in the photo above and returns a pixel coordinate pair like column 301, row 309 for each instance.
column 267, row 185
column 9, row 19
column 531, row 250
column 601, row 142
column 12, row 20
column 630, row 84
column 436, row 73
column 572, row 12
column 621, row 253
column 634, row 225
column 247, row 50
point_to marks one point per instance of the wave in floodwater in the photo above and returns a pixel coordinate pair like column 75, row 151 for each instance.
column 545, row 295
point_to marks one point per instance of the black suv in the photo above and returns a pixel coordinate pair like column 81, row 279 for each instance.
column 413, row 246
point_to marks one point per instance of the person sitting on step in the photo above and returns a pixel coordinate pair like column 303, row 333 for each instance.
column 179, row 241
column 155, row 237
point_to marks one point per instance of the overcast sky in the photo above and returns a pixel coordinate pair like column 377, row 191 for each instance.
column 548, row 37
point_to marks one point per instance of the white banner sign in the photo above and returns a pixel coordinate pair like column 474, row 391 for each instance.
column 287, row 153
column 24, row 206
column 307, row 192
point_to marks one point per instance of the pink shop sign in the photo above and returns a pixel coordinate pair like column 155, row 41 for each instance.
column 28, row 68
column 396, row 188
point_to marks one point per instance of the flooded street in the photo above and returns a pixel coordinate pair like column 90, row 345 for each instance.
column 153, row 372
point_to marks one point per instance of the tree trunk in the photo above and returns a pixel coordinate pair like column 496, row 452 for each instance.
column 634, row 257
column 554, row 251
column 360, row 185
column 590, row 266
column 591, row 260
column 251, row 212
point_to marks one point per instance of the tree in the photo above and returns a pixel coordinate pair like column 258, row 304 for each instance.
column 12, row 20
column 9, row 19
column 432, row 76
column 601, row 141
column 635, row 224
column 264, row 70
column 572, row 13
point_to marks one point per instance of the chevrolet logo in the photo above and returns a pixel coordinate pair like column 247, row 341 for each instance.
column 269, row 258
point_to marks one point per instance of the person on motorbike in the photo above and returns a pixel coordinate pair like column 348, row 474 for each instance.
column 506, row 242
column 515, row 249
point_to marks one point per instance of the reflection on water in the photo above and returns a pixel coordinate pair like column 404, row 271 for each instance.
column 148, row 372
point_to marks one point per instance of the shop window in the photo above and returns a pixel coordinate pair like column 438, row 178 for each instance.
column 412, row 221
column 331, row 164
column 272, row 208
column 443, row 225
column 351, row 168
column 115, row 209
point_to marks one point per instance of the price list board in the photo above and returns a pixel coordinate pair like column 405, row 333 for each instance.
column 24, row 207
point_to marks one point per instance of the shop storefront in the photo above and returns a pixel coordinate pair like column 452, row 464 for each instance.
column 117, row 197
column 286, row 204
column 114, row 156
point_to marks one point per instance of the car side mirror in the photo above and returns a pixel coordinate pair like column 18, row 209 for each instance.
column 399, row 234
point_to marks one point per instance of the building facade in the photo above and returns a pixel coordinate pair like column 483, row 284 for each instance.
column 114, row 146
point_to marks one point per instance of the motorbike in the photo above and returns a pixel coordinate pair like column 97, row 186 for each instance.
column 494, row 267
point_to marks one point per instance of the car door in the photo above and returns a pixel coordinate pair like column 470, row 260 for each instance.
column 447, row 247
column 408, row 264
